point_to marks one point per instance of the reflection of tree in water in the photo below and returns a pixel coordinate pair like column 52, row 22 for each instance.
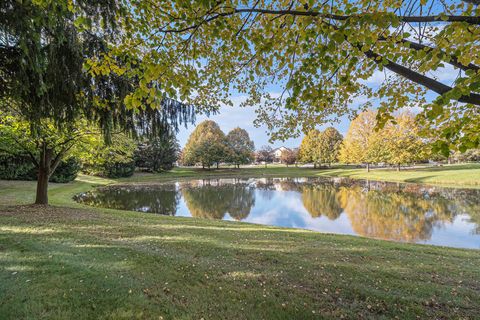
column 156, row 199
column 214, row 202
column 243, row 199
column 266, row 188
column 321, row 200
column 391, row 215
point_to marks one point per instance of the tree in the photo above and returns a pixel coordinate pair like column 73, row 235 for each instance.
column 470, row 155
column 362, row 142
column 157, row 153
column 241, row 148
column 309, row 148
column 206, row 145
column 320, row 147
column 322, row 53
column 330, row 142
column 59, row 67
column 403, row 143
column 289, row 157
column 265, row 155
column 398, row 142
column 17, row 137
column 113, row 160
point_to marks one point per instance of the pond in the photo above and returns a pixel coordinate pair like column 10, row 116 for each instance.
column 393, row 211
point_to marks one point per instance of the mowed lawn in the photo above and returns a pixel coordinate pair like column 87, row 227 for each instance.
column 467, row 175
column 70, row 261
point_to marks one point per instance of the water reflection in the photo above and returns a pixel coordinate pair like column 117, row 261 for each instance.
column 214, row 199
column 401, row 212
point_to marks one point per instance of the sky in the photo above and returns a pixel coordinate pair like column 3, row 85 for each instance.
column 230, row 117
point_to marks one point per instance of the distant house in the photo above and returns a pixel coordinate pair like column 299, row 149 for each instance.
column 277, row 153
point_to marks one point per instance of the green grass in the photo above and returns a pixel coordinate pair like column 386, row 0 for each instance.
column 74, row 262
column 465, row 175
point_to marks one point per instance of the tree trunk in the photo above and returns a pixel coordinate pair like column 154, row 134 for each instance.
column 368, row 167
column 42, row 186
column 43, row 175
column 314, row 165
column 238, row 165
column 265, row 164
column 398, row 167
column 218, row 165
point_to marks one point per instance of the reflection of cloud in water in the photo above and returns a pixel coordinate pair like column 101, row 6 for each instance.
column 290, row 212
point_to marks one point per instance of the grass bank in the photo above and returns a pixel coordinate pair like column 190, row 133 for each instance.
column 465, row 175
column 74, row 262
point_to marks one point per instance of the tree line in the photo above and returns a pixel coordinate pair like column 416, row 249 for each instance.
column 402, row 140
column 397, row 142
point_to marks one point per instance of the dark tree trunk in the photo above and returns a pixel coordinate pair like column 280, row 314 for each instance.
column 368, row 167
column 43, row 175
column 314, row 165
column 218, row 165
column 238, row 165
column 42, row 187
column 398, row 167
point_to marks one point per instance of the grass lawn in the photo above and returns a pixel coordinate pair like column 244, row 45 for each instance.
column 70, row 261
column 464, row 175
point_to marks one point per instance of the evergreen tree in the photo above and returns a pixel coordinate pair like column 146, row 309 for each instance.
column 157, row 153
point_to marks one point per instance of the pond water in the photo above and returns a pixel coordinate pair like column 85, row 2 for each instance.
column 400, row 212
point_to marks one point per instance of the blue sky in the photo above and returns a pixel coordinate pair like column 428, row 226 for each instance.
column 230, row 117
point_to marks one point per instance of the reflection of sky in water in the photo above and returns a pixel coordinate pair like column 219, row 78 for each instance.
column 285, row 208
column 421, row 219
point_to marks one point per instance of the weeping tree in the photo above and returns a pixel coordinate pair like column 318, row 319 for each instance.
column 58, row 68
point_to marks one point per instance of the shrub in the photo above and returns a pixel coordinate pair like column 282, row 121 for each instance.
column 20, row 167
column 118, row 169
column 66, row 171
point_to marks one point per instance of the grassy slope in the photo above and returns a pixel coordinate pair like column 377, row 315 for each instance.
column 81, row 262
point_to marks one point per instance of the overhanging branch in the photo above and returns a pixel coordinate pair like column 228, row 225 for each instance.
column 423, row 19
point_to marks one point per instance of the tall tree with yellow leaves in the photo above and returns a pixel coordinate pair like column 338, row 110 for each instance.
column 403, row 141
column 360, row 139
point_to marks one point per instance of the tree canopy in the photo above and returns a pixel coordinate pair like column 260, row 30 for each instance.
column 241, row 148
column 265, row 154
column 397, row 143
column 206, row 145
column 321, row 147
column 323, row 56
